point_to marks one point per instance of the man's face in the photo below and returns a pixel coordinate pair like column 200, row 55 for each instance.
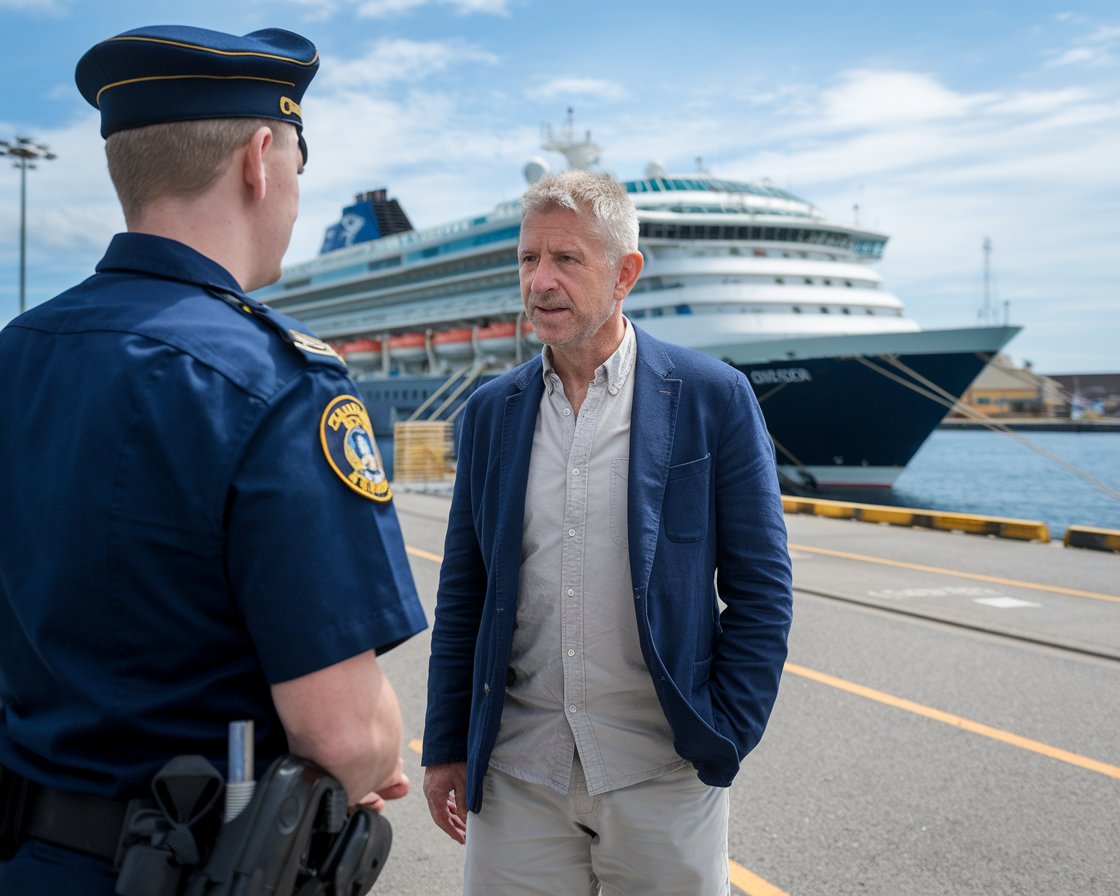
column 569, row 287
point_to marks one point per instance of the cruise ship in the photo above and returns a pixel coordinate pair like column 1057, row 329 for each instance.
column 849, row 385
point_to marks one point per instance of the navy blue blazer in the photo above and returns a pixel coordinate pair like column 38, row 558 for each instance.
column 704, row 513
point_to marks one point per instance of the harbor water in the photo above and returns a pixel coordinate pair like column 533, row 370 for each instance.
column 997, row 474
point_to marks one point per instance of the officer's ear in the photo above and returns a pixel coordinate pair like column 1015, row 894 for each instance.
column 253, row 162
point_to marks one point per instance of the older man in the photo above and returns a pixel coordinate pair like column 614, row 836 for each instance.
column 589, row 701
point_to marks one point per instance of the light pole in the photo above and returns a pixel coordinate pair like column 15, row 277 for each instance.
column 26, row 152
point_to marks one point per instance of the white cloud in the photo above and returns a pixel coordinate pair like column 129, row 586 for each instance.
column 571, row 87
column 866, row 98
column 383, row 8
column 1098, row 49
column 49, row 7
column 320, row 10
column 397, row 61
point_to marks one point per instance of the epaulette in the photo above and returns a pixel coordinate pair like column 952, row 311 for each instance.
column 305, row 343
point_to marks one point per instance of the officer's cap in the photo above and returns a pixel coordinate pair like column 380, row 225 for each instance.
column 178, row 73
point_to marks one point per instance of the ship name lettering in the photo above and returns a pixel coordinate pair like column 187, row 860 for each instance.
column 780, row 375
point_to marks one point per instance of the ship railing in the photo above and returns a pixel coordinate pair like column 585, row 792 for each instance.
column 450, row 390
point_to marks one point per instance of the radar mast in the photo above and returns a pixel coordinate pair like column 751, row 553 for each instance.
column 582, row 154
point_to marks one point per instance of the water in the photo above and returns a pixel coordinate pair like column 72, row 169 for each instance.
column 996, row 475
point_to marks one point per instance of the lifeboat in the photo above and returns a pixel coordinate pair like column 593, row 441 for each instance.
column 498, row 338
column 407, row 348
column 361, row 352
column 453, row 345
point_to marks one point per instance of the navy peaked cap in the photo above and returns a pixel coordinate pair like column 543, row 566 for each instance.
column 167, row 73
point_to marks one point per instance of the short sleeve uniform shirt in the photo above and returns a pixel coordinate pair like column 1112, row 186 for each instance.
column 192, row 510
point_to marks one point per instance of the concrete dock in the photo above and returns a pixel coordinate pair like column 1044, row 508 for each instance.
column 949, row 721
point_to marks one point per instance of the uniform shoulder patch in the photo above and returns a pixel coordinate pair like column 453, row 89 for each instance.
column 308, row 343
column 351, row 451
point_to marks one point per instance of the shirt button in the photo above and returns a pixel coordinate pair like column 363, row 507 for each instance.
column 572, row 532
column 571, row 592
column 572, row 708
column 575, row 472
column 571, row 652
column 567, row 412
column 613, row 390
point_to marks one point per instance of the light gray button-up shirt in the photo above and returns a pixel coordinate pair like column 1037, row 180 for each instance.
column 577, row 679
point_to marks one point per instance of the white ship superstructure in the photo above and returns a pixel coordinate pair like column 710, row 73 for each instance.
column 741, row 270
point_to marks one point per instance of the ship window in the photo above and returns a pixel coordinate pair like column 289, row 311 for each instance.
column 848, row 283
column 684, row 309
column 869, row 311
column 796, row 309
column 824, row 309
column 759, row 253
column 809, row 280
column 846, row 310
column 779, row 280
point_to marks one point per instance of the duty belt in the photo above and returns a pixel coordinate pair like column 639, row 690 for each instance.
column 80, row 821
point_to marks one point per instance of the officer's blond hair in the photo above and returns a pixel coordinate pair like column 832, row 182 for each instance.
column 599, row 196
column 178, row 158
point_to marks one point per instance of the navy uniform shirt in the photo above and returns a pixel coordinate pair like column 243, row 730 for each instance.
column 190, row 512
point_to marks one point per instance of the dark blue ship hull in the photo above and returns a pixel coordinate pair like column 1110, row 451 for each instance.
column 836, row 422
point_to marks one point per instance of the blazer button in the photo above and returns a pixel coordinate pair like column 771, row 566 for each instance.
column 511, row 677
column 486, row 688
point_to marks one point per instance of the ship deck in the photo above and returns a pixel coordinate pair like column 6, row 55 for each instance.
column 947, row 720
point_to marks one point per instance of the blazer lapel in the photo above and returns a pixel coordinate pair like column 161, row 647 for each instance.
column 519, row 419
column 652, row 425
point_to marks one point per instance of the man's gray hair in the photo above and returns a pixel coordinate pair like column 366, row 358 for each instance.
column 599, row 195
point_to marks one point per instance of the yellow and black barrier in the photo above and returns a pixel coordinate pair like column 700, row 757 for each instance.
column 1092, row 538
column 975, row 524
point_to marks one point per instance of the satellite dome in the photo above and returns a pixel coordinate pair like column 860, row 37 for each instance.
column 535, row 169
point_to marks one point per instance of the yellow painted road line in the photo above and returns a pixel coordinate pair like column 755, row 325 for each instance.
column 964, row 724
column 751, row 884
column 979, row 577
column 423, row 555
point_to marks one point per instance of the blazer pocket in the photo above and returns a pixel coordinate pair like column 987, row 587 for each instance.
column 687, row 500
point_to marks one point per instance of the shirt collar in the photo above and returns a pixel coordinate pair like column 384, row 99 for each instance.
column 613, row 372
column 159, row 256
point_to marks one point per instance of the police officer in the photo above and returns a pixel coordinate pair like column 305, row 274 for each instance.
column 187, row 537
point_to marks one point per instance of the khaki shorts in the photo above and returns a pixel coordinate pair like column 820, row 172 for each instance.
column 666, row 836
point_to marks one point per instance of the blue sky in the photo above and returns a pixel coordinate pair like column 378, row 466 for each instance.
column 938, row 124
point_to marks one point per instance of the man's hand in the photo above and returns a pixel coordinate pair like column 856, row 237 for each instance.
column 445, row 789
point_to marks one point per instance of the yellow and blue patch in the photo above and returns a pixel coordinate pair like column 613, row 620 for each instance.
column 350, row 449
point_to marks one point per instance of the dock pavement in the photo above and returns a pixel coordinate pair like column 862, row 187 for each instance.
column 948, row 722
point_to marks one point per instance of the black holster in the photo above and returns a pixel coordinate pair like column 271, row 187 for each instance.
column 294, row 838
